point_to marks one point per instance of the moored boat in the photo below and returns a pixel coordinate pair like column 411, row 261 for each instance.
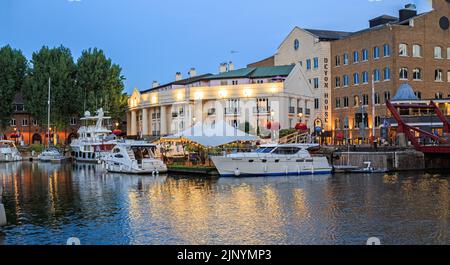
column 133, row 157
column 273, row 160
column 9, row 152
column 51, row 154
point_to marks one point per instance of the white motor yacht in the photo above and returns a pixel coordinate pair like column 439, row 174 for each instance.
column 94, row 140
column 9, row 152
column 133, row 157
column 273, row 160
column 51, row 154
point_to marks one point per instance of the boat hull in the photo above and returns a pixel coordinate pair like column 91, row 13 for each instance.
column 254, row 167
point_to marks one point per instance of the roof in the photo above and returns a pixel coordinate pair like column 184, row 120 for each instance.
column 328, row 34
column 405, row 92
column 387, row 17
column 182, row 82
column 256, row 72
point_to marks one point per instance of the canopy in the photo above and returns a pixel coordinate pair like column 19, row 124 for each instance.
column 213, row 135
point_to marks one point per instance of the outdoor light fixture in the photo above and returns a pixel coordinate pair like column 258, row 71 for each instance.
column 247, row 92
column 222, row 93
column 198, row 95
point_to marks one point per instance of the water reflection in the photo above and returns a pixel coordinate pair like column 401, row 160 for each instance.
column 48, row 203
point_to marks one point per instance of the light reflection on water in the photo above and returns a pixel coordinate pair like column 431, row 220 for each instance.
column 48, row 203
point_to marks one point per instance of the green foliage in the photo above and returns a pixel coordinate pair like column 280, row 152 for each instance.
column 101, row 83
column 13, row 66
column 38, row 148
column 57, row 64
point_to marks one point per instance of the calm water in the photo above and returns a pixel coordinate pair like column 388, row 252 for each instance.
column 46, row 204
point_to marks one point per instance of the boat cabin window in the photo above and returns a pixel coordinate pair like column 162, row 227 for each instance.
column 286, row 150
column 264, row 150
column 143, row 152
column 116, row 150
column 118, row 156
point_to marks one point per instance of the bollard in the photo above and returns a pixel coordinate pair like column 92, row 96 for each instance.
column 2, row 210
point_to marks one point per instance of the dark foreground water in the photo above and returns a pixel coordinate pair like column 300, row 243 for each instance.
column 47, row 204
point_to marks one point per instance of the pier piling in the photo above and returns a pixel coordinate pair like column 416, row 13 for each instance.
column 2, row 210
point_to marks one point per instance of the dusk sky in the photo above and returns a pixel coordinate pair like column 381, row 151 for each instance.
column 152, row 40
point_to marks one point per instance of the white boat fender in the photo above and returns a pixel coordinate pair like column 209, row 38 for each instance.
column 237, row 172
column 287, row 171
column 265, row 168
column 153, row 173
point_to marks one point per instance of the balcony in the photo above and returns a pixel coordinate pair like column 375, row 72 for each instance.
column 291, row 110
column 261, row 110
column 232, row 111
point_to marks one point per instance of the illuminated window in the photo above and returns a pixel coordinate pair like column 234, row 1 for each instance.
column 403, row 49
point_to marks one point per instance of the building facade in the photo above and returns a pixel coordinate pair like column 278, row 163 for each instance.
column 251, row 99
column 368, row 66
column 311, row 49
column 26, row 130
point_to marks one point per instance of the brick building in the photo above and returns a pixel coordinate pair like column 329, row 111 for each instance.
column 411, row 48
column 24, row 129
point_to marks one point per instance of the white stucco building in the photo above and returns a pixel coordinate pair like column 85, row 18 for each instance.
column 247, row 98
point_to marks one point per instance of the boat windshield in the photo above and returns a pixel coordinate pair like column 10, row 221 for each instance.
column 264, row 150
column 143, row 152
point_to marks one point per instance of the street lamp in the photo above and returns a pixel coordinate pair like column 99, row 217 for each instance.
column 300, row 116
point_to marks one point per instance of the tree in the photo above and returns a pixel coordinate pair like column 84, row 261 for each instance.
column 13, row 66
column 102, row 83
column 57, row 64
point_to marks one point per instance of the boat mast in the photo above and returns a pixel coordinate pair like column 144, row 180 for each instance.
column 48, row 112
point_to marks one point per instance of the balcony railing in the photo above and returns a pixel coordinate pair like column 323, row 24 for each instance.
column 232, row 111
column 261, row 110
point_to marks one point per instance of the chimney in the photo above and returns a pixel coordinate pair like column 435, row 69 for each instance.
column 155, row 84
column 178, row 76
column 192, row 72
column 408, row 12
column 230, row 66
column 223, row 68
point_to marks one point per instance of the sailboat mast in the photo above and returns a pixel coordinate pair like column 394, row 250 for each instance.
column 48, row 112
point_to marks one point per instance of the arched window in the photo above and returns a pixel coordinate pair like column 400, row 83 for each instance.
column 377, row 98
column 403, row 49
column 377, row 121
column 404, row 73
column 417, row 50
column 376, row 52
column 345, row 58
column 439, row 95
column 438, row 52
column 387, row 50
column 346, row 80
column 376, row 75
column 365, row 55
column 387, row 73
column 418, row 94
column 355, row 57
column 417, row 74
column 365, row 77
column 356, row 101
column 356, row 79
column 387, row 96
column 438, row 75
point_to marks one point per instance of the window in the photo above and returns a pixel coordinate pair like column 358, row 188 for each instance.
column 438, row 52
column 316, row 63
column 376, row 52
column 12, row 122
column 365, row 55
column 403, row 49
column 296, row 44
column 337, row 60
column 448, row 53
column 316, row 82
column 417, row 50
column 365, row 99
column 439, row 95
column 387, row 96
column 338, row 102
column 377, row 98
column 308, row 64
column 316, row 103
column 404, row 73
column 346, row 80
column 337, row 81
column 345, row 58
column 355, row 57
column 448, row 76
column 376, row 75
column 438, row 75
column 35, row 123
column 356, row 101
column 386, row 50
column 345, row 102
column 418, row 94
column 377, row 121
column 365, row 77
column 387, row 73
column 286, row 150
column 24, row 122
column 417, row 74
column 73, row 121
column 356, row 79
column 235, row 82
